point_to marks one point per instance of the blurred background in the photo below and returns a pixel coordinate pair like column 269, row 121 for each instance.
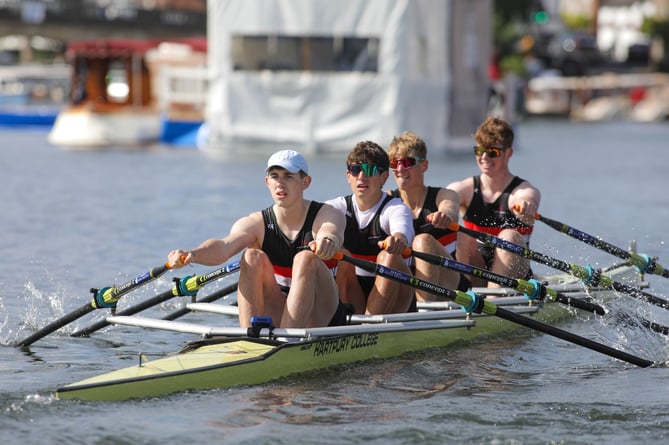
column 588, row 60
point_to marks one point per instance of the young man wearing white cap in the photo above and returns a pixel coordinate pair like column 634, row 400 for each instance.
column 287, row 268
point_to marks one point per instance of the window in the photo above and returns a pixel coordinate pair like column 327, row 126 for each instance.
column 286, row 53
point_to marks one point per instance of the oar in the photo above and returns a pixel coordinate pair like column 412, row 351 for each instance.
column 642, row 262
column 531, row 288
column 588, row 275
column 102, row 298
column 471, row 302
column 208, row 299
column 187, row 286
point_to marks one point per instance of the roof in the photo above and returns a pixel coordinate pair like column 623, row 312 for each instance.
column 114, row 47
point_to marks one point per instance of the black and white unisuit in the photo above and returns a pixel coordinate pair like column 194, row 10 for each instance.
column 446, row 237
column 281, row 251
column 496, row 216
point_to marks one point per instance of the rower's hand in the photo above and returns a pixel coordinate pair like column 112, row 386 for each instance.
column 178, row 258
column 324, row 248
column 439, row 219
column 396, row 244
column 524, row 210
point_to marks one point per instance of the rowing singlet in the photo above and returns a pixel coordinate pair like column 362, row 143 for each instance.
column 446, row 237
column 493, row 217
column 363, row 242
column 280, row 250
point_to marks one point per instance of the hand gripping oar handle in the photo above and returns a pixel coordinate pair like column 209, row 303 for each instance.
column 187, row 286
column 642, row 262
column 473, row 303
column 106, row 297
column 531, row 288
column 587, row 275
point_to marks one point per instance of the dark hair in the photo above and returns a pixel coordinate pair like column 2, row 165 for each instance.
column 369, row 152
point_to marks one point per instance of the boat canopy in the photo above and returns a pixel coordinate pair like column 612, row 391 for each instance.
column 322, row 75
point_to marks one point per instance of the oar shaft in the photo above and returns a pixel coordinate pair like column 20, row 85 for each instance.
column 582, row 236
column 522, row 285
column 106, row 297
column 208, row 299
column 190, row 285
column 584, row 274
column 52, row 327
column 128, row 311
column 572, row 338
column 642, row 262
column 467, row 299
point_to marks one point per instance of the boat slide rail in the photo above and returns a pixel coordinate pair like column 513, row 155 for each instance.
column 306, row 333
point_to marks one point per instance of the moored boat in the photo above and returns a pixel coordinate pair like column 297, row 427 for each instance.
column 32, row 94
column 114, row 95
column 226, row 357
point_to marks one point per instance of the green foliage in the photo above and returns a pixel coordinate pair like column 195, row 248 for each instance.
column 513, row 63
column 656, row 28
column 509, row 22
column 577, row 22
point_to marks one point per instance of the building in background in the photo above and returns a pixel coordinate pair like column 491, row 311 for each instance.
column 320, row 75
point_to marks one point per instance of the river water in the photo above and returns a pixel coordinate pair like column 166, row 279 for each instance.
column 76, row 220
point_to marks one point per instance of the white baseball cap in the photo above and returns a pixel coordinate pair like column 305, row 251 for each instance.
column 288, row 159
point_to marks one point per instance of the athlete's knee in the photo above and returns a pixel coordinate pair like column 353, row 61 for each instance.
column 423, row 241
column 254, row 257
column 306, row 259
column 512, row 236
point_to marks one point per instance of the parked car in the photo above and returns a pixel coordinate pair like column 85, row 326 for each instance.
column 574, row 53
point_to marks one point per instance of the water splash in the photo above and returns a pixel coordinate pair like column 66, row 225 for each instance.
column 32, row 310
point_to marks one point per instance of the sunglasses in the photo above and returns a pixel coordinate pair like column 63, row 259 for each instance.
column 367, row 169
column 409, row 162
column 491, row 151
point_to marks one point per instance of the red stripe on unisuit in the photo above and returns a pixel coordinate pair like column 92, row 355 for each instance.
column 365, row 257
column 283, row 271
column 448, row 239
column 523, row 230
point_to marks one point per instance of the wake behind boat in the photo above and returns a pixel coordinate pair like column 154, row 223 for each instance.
column 226, row 357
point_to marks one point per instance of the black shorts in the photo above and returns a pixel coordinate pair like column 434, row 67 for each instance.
column 367, row 284
column 342, row 314
column 488, row 253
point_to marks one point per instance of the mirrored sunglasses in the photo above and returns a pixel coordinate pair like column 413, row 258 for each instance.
column 491, row 151
column 409, row 162
column 367, row 169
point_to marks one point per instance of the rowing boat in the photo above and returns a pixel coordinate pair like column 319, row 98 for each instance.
column 226, row 357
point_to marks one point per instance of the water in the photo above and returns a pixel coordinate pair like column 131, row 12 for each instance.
column 72, row 221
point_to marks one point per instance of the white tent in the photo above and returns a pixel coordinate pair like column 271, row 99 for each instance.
column 321, row 75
